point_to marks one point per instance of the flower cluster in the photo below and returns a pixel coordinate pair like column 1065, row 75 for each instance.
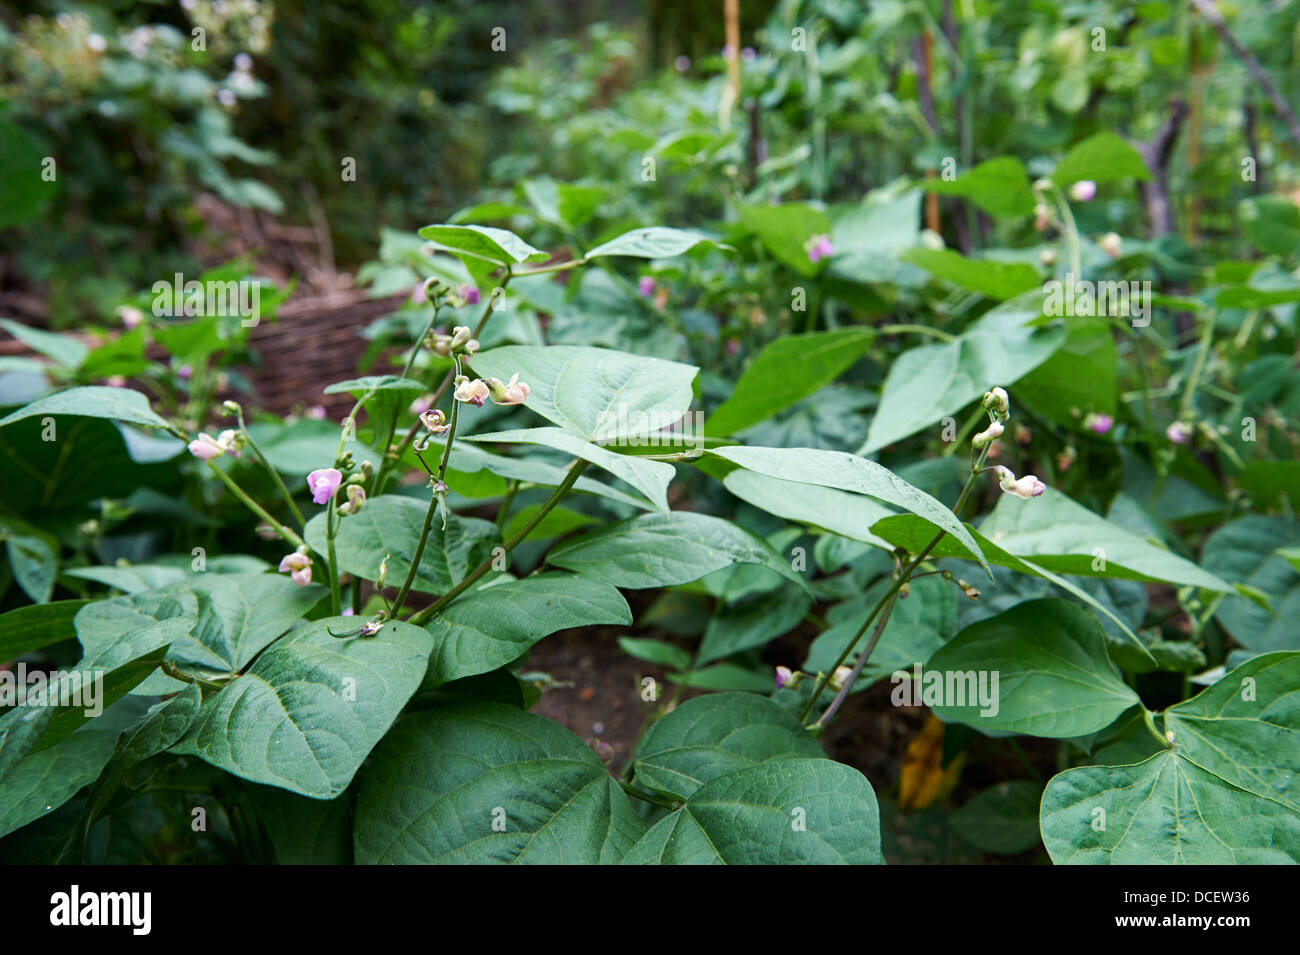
column 998, row 406
column 205, row 447
column 819, row 247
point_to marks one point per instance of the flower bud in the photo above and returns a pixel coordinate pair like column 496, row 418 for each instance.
column 230, row 407
column 434, row 421
column 1083, row 191
column 988, row 435
column 787, row 679
column 1110, row 244
column 997, row 402
column 512, row 393
column 383, row 573
column 1026, row 487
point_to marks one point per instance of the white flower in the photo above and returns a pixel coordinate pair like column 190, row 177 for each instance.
column 1026, row 487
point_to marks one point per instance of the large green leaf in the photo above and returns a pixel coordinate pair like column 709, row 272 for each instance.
column 1068, row 538
column 598, row 394
column 785, row 371
column 653, row 242
column 849, row 515
column 36, row 625
column 710, row 736
column 92, row 401
column 999, row 186
column 442, row 778
column 44, row 781
column 996, row 280
column 752, row 623
column 780, row 812
column 1245, row 551
column 1103, row 157
column 1081, row 376
column 391, row 524
column 1227, row 791
column 1003, row 819
column 483, row 242
column 34, row 563
column 64, row 349
column 785, row 229
column 651, row 478
column 1054, row 677
column 846, row 472
column 311, row 707
column 487, row 628
column 662, row 550
column 930, row 382
column 304, row 831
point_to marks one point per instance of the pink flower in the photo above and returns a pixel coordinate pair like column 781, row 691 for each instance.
column 469, row 293
column 682, row 64
column 819, row 247
column 299, row 568
column 130, row 316
column 230, row 441
column 1178, row 433
column 1083, row 190
column 1099, row 423
column 1026, row 487
column 323, row 484
column 512, row 393
column 115, row 381
column 474, row 392
column 783, row 677
column 418, row 295
column 185, row 371
column 205, row 447
column 348, row 612
column 646, row 286
column 316, row 412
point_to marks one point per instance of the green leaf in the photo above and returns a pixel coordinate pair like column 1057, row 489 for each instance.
column 1103, row 157
column 487, row 628
column 1246, row 551
column 752, row 623
column 786, row 371
column 598, row 394
column 65, row 350
column 311, row 707
column 1227, row 792
column 653, row 242
column 785, row 229
column 1272, row 224
column 851, row 515
column 651, row 478
column 780, row 812
column 442, row 778
column 22, row 169
column 930, row 382
column 93, row 401
column 1082, row 374
column 20, row 728
column 1003, row 819
column 1054, row 677
column 710, row 736
column 389, row 391
column 997, row 280
column 1070, row 539
column 656, row 651
column 44, row 781
column 132, row 579
column 999, row 186
column 500, row 246
column 35, row 565
column 845, row 472
column 725, row 676
column 663, row 550
column 239, row 614
column 304, row 831
column 391, row 524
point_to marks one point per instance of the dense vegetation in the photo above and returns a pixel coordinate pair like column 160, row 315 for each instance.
column 942, row 352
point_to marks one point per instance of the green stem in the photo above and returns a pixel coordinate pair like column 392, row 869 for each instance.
column 917, row 329
column 256, row 508
column 1071, row 232
column 1149, row 719
column 331, row 526
column 1202, row 353
column 503, row 512
column 275, row 475
column 633, row 790
column 569, row 479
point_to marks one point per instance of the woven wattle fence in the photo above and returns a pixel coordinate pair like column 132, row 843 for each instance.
column 313, row 343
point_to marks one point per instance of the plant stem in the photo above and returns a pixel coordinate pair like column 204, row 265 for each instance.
column 847, row 686
column 256, row 508
column 1198, row 366
column 1149, row 719
column 917, row 329
column 639, row 793
column 575, row 470
column 275, row 475
column 503, row 512
column 331, row 525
